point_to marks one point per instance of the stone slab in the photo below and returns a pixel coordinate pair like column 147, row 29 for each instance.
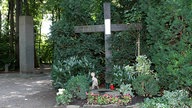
column 73, row 106
column 26, row 44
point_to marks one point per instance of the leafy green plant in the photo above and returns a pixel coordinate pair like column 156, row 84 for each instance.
column 63, row 97
column 78, row 86
column 146, row 85
column 141, row 76
column 143, row 65
column 91, row 98
column 125, row 99
column 174, row 99
column 103, row 100
column 123, row 74
column 62, row 71
column 177, row 98
column 126, row 89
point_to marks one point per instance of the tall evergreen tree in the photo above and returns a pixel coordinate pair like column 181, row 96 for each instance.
column 170, row 43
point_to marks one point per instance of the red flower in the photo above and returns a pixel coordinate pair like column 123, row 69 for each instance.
column 112, row 87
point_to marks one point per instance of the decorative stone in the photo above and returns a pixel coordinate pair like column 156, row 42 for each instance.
column 73, row 106
column 106, row 91
column 113, row 93
column 91, row 106
column 132, row 106
column 111, row 106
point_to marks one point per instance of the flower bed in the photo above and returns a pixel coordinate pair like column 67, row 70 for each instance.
column 96, row 99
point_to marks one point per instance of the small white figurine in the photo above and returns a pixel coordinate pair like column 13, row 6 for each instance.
column 94, row 81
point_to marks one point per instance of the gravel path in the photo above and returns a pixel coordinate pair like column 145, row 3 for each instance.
column 26, row 91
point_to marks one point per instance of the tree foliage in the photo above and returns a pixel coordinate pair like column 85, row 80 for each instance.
column 66, row 42
column 90, row 12
column 10, row 12
column 170, row 42
column 165, row 38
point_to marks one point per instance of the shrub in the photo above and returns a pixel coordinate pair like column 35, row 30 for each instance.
column 169, row 42
column 63, row 97
column 143, row 65
column 78, row 86
column 126, row 89
column 175, row 99
column 145, row 85
column 140, row 75
column 62, row 71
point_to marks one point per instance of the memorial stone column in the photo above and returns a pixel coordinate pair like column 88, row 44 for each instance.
column 26, row 44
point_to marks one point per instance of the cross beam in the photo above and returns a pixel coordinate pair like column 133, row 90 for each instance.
column 101, row 28
column 107, row 28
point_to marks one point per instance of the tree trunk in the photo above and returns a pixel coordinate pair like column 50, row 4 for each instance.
column 59, row 13
column 18, row 13
column 26, row 7
column 0, row 23
column 53, row 17
column 11, row 38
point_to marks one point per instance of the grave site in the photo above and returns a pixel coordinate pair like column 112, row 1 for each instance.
column 96, row 54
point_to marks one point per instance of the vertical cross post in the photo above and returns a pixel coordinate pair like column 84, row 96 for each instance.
column 108, row 54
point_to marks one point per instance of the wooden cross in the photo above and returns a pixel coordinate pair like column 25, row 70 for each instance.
column 107, row 28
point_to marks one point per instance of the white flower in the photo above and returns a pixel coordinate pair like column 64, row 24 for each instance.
column 160, row 105
column 60, row 92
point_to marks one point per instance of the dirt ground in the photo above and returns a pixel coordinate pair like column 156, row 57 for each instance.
column 26, row 91
column 32, row 91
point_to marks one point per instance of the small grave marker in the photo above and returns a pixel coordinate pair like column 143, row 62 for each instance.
column 7, row 67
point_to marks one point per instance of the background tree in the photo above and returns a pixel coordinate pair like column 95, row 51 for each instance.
column 169, row 41
column 10, row 27
column 18, row 13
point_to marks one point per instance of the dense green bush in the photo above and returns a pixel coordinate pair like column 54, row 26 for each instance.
column 123, row 48
column 63, row 71
column 169, row 39
column 5, row 55
column 78, row 86
column 145, row 85
column 125, row 44
column 68, row 44
column 174, row 99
